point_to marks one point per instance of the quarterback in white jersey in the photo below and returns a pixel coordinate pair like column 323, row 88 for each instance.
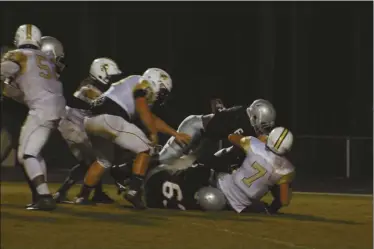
column 34, row 73
column 112, row 125
column 263, row 168
column 72, row 130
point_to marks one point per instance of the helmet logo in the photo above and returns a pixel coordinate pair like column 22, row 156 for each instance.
column 163, row 76
column 104, row 67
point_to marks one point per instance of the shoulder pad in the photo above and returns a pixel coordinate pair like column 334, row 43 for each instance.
column 245, row 143
column 18, row 57
column 15, row 56
column 145, row 86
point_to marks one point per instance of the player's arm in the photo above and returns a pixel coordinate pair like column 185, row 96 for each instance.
column 235, row 139
column 163, row 127
column 12, row 63
column 142, row 107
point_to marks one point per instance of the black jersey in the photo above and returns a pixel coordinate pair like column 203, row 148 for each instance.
column 228, row 121
column 175, row 189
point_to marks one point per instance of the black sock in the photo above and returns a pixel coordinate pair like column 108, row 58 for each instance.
column 99, row 188
column 68, row 183
column 136, row 182
column 76, row 174
column 85, row 191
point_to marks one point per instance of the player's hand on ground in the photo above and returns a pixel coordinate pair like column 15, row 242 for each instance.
column 183, row 138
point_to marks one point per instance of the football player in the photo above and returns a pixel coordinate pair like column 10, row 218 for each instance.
column 207, row 130
column 34, row 73
column 113, row 124
column 265, row 168
column 72, row 128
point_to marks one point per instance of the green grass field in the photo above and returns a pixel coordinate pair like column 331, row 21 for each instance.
column 312, row 221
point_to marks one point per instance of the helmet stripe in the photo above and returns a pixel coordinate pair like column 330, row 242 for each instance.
column 281, row 138
column 28, row 31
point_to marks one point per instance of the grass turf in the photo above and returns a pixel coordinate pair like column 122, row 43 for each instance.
column 311, row 221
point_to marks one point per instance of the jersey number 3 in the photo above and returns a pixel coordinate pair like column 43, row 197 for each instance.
column 46, row 71
column 261, row 171
column 168, row 190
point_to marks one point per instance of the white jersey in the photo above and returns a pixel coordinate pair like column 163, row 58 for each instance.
column 122, row 93
column 88, row 94
column 36, row 78
column 260, row 170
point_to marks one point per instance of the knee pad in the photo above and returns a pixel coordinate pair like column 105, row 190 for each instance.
column 104, row 163
column 22, row 157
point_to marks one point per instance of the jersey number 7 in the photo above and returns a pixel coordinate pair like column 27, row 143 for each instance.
column 261, row 171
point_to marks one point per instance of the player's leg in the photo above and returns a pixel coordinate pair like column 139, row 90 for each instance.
column 14, row 114
column 80, row 146
column 192, row 125
column 133, row 139
column 34, row 135
column 101, row 136
column 70, row 133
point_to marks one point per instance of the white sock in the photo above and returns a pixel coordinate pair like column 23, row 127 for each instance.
column 33, row 167
column 43, row 189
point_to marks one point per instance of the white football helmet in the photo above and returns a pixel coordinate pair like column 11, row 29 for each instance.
column 280, row 140
column 262, row 116
column 160, row 80
column 54, row 49
column 102, row 68
column 28, row 34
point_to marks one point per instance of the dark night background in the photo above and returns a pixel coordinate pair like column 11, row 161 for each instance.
column 312, row 60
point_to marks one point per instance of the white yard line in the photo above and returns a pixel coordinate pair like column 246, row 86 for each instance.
column 333, row 194
column 275, row 241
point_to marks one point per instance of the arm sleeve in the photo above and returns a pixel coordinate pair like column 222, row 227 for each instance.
column 245, row 144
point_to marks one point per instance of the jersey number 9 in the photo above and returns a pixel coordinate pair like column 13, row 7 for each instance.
column 46, row 71
column 168, row 190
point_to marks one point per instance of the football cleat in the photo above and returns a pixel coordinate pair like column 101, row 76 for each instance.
column 83, row 201
column 135, row 198
column 102, row 197
column 61, row 198
column 45, row 203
